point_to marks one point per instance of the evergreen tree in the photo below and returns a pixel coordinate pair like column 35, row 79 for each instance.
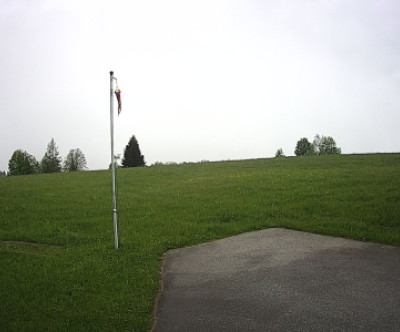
column 22, row 163
column 132, row 155
column 51, row 162
column 75, row 161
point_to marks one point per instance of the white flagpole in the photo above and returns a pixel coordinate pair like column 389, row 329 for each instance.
column 114, row 198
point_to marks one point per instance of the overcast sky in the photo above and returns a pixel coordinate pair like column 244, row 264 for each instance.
column 212, row 80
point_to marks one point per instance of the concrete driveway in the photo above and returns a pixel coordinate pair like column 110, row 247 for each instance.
column 280, row 280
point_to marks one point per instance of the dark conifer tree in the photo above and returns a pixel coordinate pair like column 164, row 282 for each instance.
column 132, row 155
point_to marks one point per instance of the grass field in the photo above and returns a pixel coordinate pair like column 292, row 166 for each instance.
column 59, row 270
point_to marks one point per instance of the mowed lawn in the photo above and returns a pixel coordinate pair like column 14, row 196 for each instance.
column 59, row 270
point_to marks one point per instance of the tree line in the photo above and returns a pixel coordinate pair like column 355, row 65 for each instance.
column 23, row 163
column 321, row 146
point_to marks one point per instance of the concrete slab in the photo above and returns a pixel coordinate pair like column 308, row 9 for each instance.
column 280, row 280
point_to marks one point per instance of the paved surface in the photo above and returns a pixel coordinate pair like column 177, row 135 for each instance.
column 280, row 280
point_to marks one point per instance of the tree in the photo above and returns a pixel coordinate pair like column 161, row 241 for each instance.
column 279, row 153
column 51, row 162
column 75, row 161
column 132, row 155
column 325, row 145
column 304, row 148
column 22, row 163
column 328, row 146
column 317, row 144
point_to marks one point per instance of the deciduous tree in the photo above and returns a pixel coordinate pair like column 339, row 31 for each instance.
column 75, row 161
column 304, row 148
column 279, row 153
column 328, row 146
column 325, row 145
column 22, row 163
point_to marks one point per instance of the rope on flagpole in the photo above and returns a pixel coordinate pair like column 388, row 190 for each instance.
column 113, row 180
column 116, row 196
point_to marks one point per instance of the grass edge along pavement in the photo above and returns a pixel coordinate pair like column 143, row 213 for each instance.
column 59, row 270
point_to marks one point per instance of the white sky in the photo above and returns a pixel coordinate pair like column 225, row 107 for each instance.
column 211, row 80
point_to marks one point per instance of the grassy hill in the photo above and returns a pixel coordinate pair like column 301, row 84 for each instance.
column 59, row 270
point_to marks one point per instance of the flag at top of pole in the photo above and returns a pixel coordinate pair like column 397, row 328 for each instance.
column 118, row 94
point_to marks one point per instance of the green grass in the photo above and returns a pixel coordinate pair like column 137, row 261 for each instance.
column 59, row 270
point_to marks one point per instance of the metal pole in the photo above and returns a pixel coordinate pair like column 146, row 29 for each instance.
column 114, row 198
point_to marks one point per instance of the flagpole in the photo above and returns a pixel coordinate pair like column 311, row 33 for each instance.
column 114, row 198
